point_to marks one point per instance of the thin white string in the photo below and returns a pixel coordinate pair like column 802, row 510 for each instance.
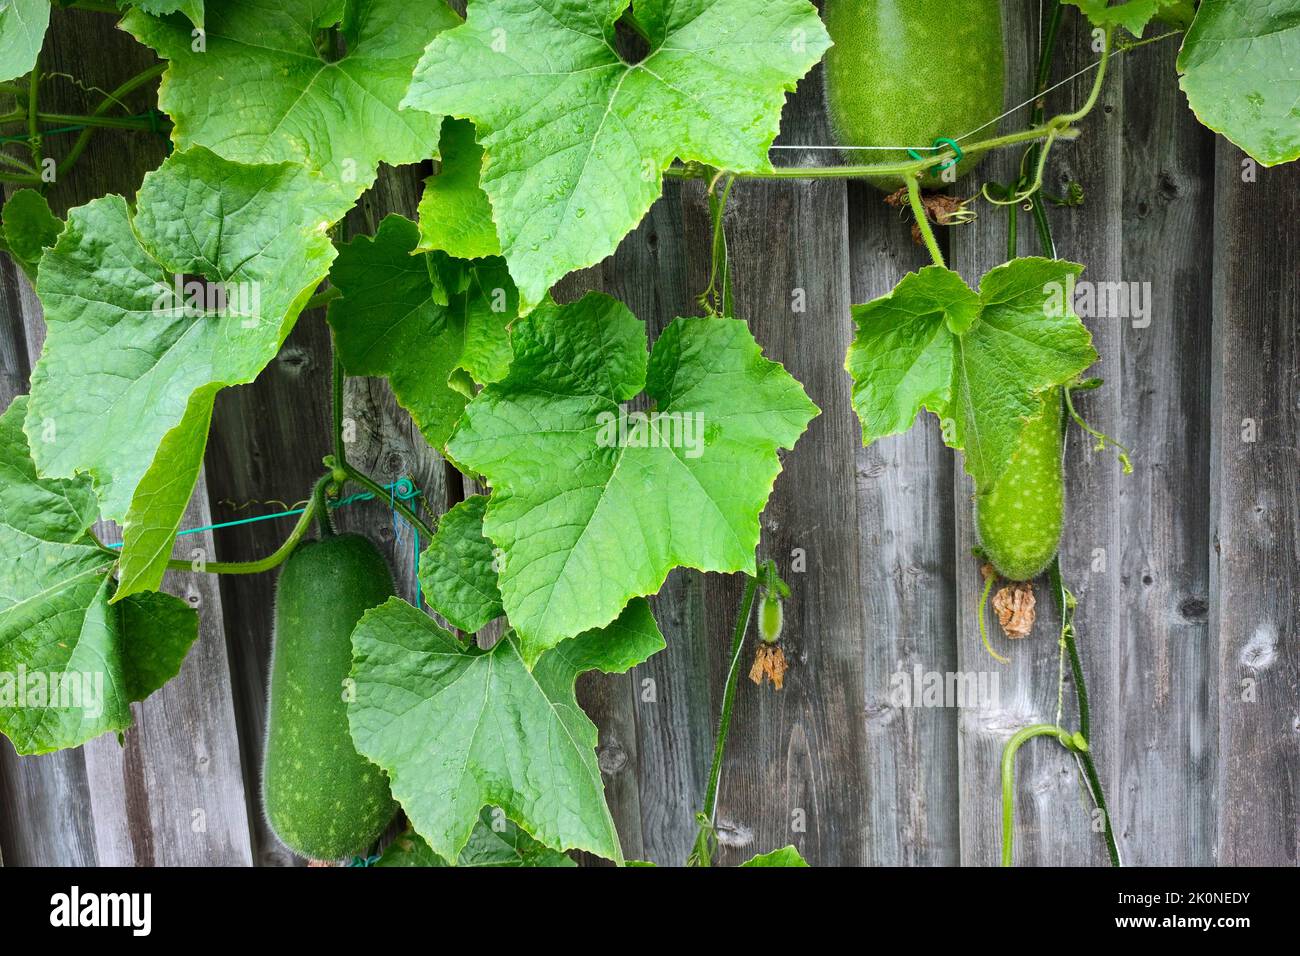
column 1034, row 99
column 845, row 148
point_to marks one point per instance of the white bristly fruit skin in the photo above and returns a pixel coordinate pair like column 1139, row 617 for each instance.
column 1020, row 519
column 771, row 618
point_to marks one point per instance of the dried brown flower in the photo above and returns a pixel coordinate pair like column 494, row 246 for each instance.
column 1014, row 606
column 769, row 663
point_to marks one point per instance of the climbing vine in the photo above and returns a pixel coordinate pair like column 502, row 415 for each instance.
column 553, row 127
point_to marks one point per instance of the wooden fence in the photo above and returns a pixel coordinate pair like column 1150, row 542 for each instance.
column 1187, row 571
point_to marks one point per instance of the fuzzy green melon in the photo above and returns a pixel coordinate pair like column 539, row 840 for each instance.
column 906, row 72
column 323, row 800
column 1019, row 520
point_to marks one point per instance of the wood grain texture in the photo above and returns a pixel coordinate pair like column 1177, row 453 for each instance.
column 795, row 770
column 1092, row 546
column 1164, row 760
column 1051, row 825
column 1255, row 500
column 173, row 794
column 905, row 517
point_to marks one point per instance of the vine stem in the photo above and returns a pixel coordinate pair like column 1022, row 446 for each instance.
column 340, row 457
column 1087, row 766
column 1053, row 127
column 115, row 97
column 322, row 298
column 98, row 122
column 719, row 302
column 323, row 521
column 702, row 854
column 1009, row 778
column 18, row 164
column 983, row 625
column 277, row 557
column 33, row 128
column 923, row 220
column 1041, row 80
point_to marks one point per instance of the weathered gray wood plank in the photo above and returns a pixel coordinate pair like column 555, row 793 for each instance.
column 1093, row 542
column 173, row 795
column 1255, row 554
column 266, row 442
column 905, row 515
column 1163, row 761
column 796, row 761
column 1052, row 825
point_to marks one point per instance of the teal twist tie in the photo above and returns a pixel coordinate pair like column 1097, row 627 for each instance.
column 939, row 144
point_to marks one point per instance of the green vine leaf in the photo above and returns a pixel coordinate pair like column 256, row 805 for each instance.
column 590, row 513
column 124, row 388
column 458, row 728
column 1240, row 69
column 455, row 213
column 980, row 362
column 576, row 137
column 1134, row 15
column 193, row 9
column 29, row 229
column 283, row 99
column 786, row 856
column 422, row 321
column 457, row 575
column 494, row 842
column 71, row 663
column 22, row 31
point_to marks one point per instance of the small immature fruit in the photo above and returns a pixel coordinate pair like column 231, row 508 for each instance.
column 323, row 799
column 1020, row 519
column 905, row 72
column 771, row 619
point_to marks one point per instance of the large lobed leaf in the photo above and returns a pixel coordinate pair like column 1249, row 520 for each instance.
column 261, row 91
column 124, row 388
column 495, row 842
column 71, row 663
column 588, row 517
column 29, row 228
column 193, row 9
column 22, row 31
column 428, row 323
column 457, row 572
column 455, row 213
column 1240, row 69
column 786, row 856
column 979, row 361
column 576, row 138
column 1134, row 15
column 457, row 728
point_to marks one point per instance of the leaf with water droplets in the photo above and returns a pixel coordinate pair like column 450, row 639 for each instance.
column 576, row 137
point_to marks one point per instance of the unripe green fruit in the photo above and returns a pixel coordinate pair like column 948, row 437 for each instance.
column 1019, row 520
column 905, row 72
column 323, row 800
